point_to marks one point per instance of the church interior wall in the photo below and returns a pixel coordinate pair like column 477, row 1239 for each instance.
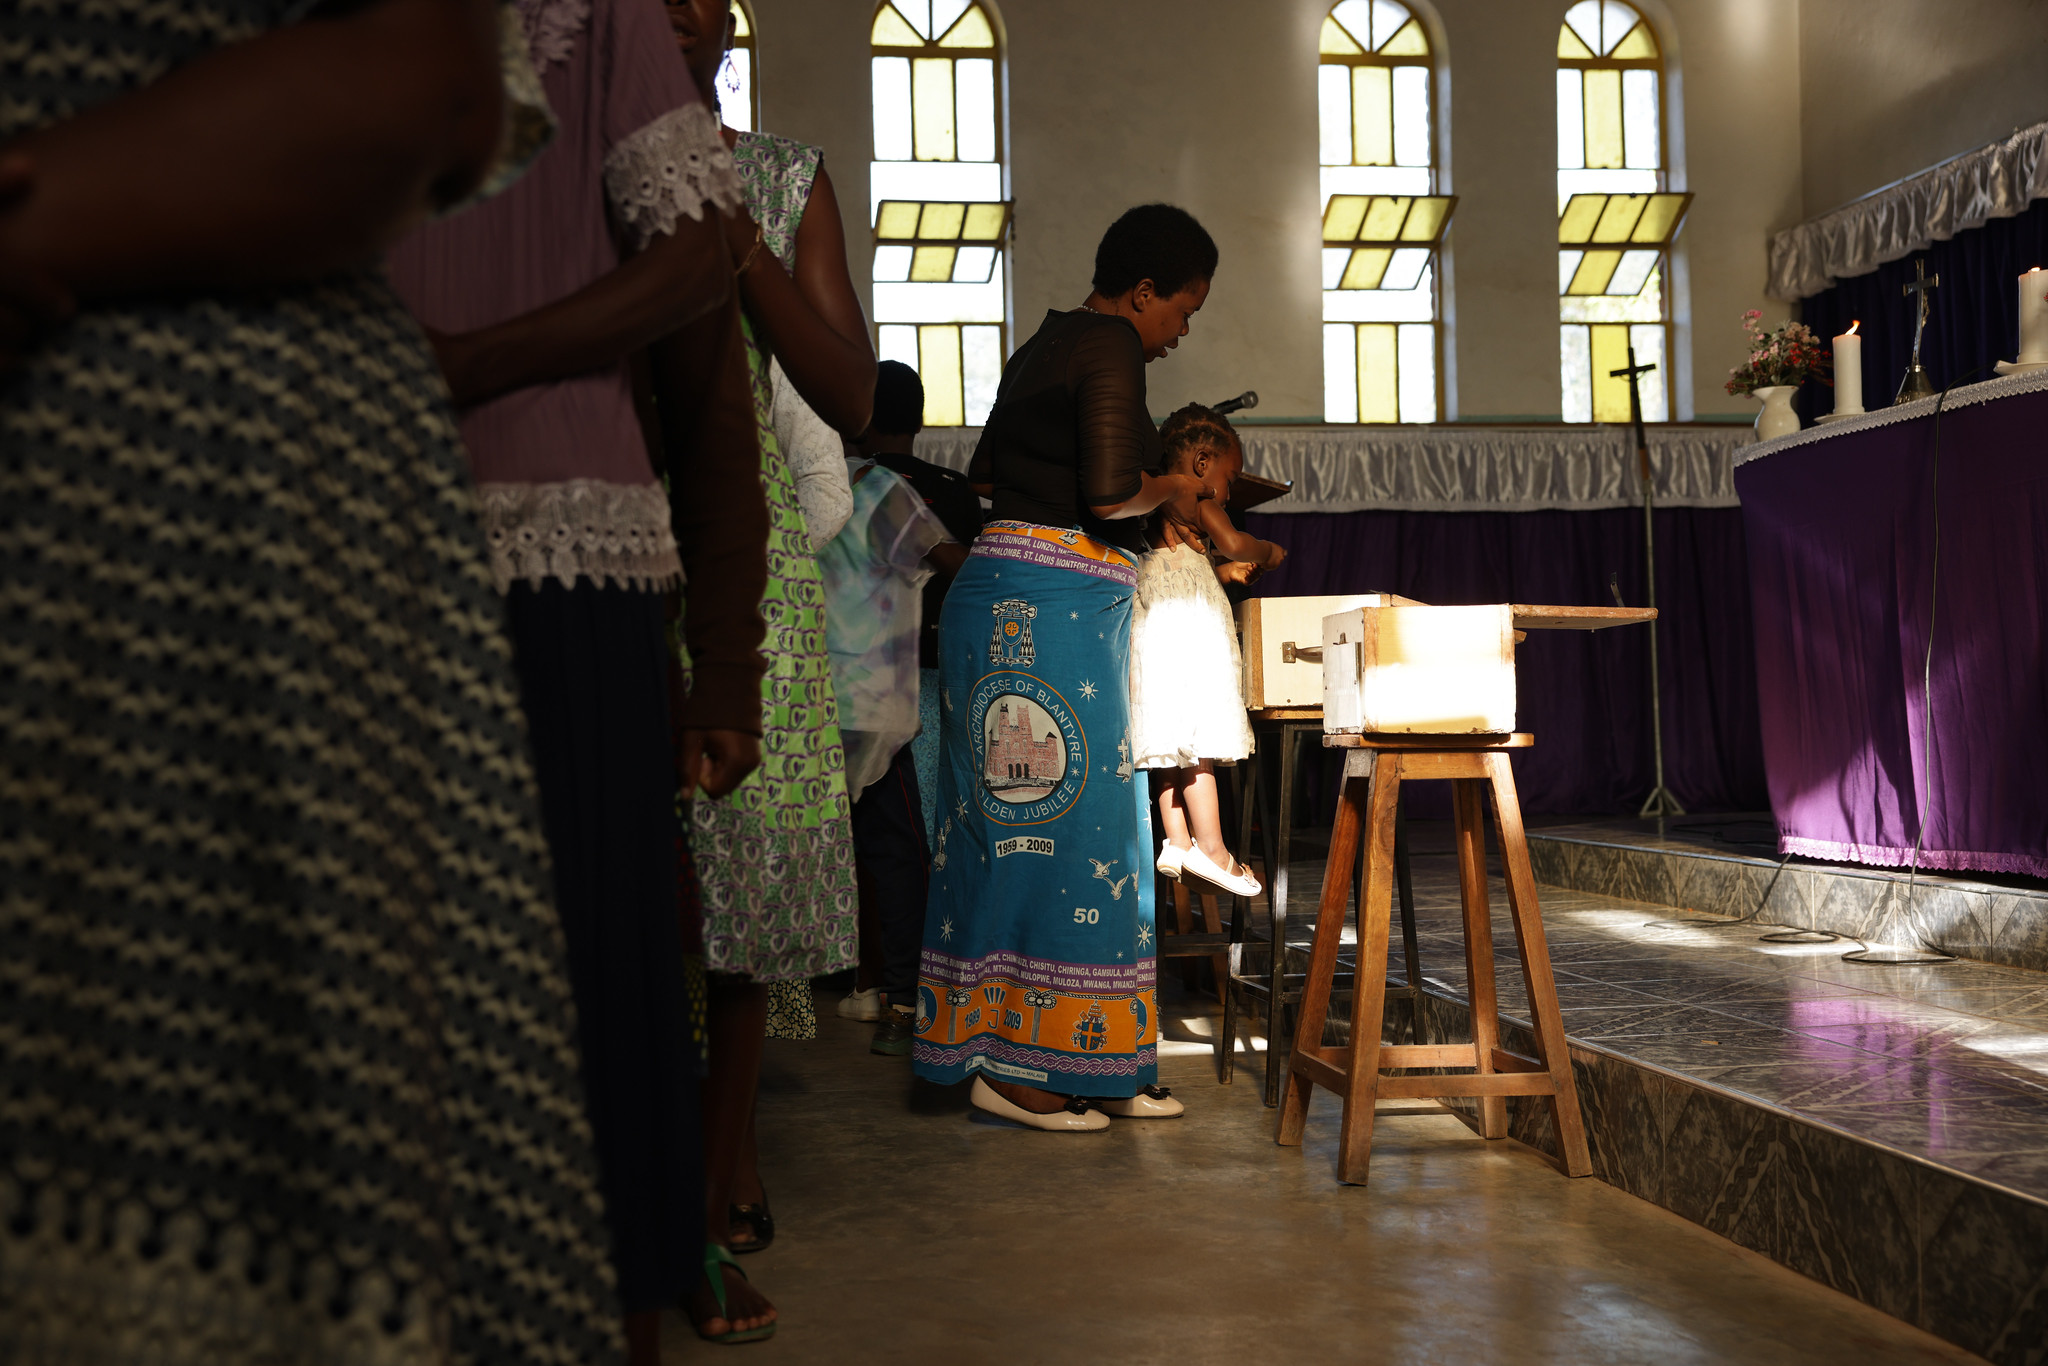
column 1891, row 87
column 1212, row 105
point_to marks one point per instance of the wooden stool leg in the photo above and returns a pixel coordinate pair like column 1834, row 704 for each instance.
column 1535, row 950
column 1467, row 798
column 1210, row 904
column 1322, row 962
column 1183, row 922
column 1369, row 983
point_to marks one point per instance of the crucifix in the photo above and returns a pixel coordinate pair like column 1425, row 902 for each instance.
column 1660, row 802
column 1916, row 384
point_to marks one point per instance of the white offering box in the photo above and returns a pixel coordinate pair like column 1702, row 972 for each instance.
column 1283, row 646
column 1420, row 670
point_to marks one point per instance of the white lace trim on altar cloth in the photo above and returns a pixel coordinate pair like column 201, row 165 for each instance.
column 551, row 27
column 670, row 168
column 1463, row 469
column 1962, row 396
column 1995, row 181
column 607, row 533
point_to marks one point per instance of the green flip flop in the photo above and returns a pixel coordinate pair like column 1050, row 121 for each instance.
column 716, row 1259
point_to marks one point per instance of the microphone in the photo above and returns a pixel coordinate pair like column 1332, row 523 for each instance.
column 1248, row 399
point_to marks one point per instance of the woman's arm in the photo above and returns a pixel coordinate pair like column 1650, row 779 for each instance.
column 812, row 321
column 306, row 149
column 1117, row 437
column 705, row 401
column 678, row 278
column 1226, row 540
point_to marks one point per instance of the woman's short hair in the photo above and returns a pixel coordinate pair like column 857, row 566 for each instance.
column 1155, row 242
column 1194, row 429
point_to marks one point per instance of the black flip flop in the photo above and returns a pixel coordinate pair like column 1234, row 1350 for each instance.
column 756, row 1220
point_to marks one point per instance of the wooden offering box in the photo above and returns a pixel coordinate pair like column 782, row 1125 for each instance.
column 1283, row 638
column 1409, row 669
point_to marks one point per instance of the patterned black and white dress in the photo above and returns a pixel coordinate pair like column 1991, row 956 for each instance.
column 288, row 1067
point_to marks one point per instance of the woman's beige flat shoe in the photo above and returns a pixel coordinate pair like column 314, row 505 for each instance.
column 1154, row 1102
column 1077, row 1118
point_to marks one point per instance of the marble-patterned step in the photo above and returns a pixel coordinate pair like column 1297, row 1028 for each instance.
column 1678, row 863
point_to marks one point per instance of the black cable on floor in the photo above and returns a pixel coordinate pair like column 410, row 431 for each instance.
column 1716, row 922
column 1936, row 956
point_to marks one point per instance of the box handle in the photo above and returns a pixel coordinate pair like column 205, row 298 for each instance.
column 1309, row 654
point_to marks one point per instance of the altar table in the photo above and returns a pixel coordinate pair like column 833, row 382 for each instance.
column 1841, row 527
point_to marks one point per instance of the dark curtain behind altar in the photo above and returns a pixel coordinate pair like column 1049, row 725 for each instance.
column 1972, row 322
column 1584, row 694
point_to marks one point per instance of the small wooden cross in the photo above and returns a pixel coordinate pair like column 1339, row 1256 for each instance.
column 1635, row 409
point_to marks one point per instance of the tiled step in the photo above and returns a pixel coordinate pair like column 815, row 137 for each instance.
column 1690, row 863
column 1882, row 1130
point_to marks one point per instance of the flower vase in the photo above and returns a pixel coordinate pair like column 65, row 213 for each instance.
column 1776, row 418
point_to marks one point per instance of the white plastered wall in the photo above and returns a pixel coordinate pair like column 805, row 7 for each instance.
column 1211, row 104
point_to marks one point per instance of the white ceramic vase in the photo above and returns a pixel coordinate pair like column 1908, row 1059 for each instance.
column 1777, row 417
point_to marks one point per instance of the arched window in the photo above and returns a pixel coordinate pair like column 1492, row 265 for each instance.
column 1615, row 221
column 1382, row 218
column 738, row 90
column 940, row 218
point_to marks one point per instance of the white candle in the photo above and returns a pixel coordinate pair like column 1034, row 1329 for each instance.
column 2034, row 317
column 1849, row 372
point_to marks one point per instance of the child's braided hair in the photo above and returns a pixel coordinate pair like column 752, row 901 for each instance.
column 1194, row 429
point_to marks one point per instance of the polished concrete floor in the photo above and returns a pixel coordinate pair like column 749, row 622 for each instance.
column 909, row 1232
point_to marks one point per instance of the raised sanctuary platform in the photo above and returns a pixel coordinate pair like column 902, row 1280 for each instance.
column 1882, row 1130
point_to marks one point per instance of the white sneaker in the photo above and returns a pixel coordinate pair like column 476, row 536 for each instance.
column 1079, row 1116
column 1170, row 856
column 1151, row 1102
column 1238, row 883
column 862, row 1005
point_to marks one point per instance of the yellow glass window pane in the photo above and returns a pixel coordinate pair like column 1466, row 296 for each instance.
column 972, row 31
column 1581, row 212
column 1426, row 220
column 1596, row 268
column 1379, row 375
column 1372, row 116
column 931, row 109
column 1411, row 41
column 932, row 263
column 1619, row 218
column 1660, row 220
column 893, row 30
column 1603, row 119
column 1341, row 219
column 1335, row 42
column 897, row 219
column 984, row 222
column 741, row 27
column 1383, row 218
column 938, row 365
column 1639, row 44
column 1610, row 352
column 1365, row 269
column 941, row 222
column 1569, row 46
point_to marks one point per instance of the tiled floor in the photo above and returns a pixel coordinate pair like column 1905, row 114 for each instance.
column 1947, row 1063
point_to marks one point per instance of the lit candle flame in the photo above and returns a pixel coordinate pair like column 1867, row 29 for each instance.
column 1852, row 328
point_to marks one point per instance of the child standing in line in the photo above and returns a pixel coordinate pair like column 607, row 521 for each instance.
column 1187, row 711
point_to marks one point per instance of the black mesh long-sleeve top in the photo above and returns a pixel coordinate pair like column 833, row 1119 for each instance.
column 1070, row 429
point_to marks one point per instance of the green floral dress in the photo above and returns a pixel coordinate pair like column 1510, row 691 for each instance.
column 775, row 858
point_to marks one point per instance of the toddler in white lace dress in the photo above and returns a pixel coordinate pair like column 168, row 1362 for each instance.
column 1187, row 710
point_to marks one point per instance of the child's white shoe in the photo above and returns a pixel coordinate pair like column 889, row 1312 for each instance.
column 1238, row 883
column 1169, row 861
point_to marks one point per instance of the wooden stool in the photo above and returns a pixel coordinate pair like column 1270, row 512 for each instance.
column 1376, row 766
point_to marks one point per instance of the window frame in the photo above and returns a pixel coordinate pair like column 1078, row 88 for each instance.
column 1427, row 61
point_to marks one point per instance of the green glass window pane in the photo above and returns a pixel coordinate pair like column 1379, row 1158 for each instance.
column 932, row 264
column 893, row 30
column 941, row 222
column 1379, row 374
column 1367, row 265
column 938, row 365
column 1610, row 352
column 972, row 31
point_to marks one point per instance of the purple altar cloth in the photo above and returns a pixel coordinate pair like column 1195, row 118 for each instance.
column 1842, row 536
